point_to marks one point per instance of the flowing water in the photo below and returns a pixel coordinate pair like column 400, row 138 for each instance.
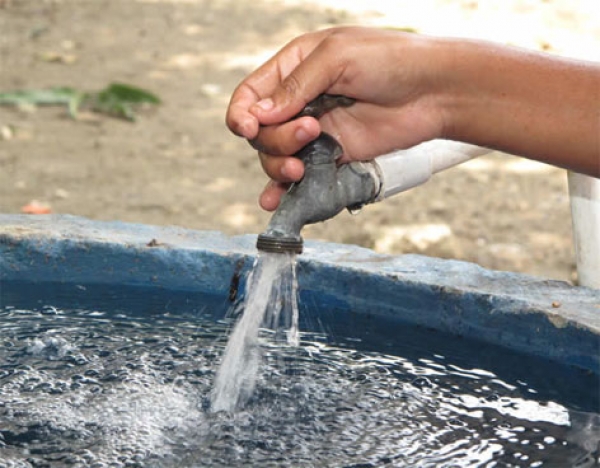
column 270, row 301
column 123, row 378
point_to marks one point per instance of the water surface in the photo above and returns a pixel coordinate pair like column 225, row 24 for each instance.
column 122, row 377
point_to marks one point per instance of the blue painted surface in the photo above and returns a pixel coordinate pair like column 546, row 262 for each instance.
column 463, row 299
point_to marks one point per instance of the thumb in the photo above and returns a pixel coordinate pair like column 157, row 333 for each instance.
column 312, row 77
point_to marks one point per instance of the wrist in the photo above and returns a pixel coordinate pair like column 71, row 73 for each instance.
column 438, row 95
column 451, row 84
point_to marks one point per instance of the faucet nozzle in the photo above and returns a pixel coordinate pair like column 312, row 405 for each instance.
column 269, row 243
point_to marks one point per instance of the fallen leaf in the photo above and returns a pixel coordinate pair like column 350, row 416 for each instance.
column 35, row 207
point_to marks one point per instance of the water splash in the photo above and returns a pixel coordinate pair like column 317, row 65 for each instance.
column 270, row 301
column 131, row 389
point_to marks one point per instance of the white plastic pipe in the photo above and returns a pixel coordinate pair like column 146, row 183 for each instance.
column 584, row 192
column 404, row 169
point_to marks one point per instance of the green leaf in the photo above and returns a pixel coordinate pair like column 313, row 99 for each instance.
column 126, row 93
column 45, row 97
column 39, row 97
column 117, row 99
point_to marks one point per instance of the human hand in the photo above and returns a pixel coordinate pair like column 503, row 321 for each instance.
column 388, row 73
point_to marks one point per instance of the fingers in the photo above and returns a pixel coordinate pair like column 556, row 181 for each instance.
column 287, row 138
column 239, row 120
column 280, row 88
column 314, row 75
column 282, row 168
column 262, row 106
column 271, row 195
column 261, row 83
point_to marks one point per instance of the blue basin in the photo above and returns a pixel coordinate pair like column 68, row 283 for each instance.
column 532, row 315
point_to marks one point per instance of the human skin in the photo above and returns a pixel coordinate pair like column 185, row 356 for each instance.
column 411, row 88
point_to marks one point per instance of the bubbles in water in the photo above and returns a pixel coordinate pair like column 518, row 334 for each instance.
column 94, row 390
column 85, row 391
column 49, row 347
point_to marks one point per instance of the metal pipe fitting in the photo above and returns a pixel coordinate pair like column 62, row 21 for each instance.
column 324, row 191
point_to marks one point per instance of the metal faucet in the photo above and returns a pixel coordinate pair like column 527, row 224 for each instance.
column 324, row 191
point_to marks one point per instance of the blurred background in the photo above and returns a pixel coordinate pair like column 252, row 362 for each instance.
column 177, row 164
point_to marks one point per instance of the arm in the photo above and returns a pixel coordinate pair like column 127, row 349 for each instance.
column 525, row 103
column 412, row 88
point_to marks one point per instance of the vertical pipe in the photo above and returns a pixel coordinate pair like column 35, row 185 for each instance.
column 584, row 193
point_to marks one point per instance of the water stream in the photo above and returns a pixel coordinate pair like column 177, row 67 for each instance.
column 270, row 301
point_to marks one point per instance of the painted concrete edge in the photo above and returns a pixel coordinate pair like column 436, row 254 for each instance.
column 509, row 309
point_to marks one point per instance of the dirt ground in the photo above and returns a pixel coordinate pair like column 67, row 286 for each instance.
column 179, row 165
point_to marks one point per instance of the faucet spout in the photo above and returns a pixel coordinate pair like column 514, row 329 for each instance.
column 324, row 191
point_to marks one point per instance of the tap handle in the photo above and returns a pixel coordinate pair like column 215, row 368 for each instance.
column 325, row 149
column 323, row 104
column 322, row 150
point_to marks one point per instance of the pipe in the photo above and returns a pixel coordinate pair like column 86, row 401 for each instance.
column 404, row 169
column 584, row 193
column 327, row 189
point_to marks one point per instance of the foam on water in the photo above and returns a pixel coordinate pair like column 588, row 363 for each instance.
column 270, row 300
column 88, row 391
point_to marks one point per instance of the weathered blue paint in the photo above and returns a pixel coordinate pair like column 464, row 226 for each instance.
column 547, row 318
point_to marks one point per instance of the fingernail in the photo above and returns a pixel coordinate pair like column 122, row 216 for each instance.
column 246, row 127
column 266, row 104
column 302, row 135
column 284, row 171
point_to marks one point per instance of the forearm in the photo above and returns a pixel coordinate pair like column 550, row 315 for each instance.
column 521, row 102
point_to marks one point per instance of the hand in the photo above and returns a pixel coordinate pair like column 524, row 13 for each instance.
column 395, row 105
column 409, row 89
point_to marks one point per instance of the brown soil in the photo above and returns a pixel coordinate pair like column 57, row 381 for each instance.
column 178, row 164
